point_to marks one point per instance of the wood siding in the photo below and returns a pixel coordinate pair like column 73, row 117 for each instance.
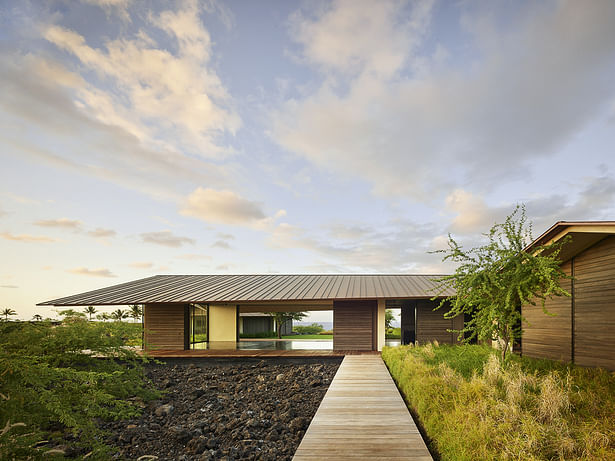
column 432, row 326
column 353, row 324
column 164, row 326
column 594, row 305
column 546, row 336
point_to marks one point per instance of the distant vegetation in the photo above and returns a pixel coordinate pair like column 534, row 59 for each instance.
column 58, row 379
column 313, row 329
column 473, row 407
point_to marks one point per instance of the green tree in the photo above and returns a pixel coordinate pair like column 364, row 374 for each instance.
column 493, row 281
column 37, row 317
column 119, row 315
column 104, row 316
column 90, row 310
column 136, row 312
column 70, row 315
column 280, row 318
column 6, row 312
column 388, row 319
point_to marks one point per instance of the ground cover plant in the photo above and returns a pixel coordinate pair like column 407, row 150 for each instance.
column 57, row 382
column 472, row 406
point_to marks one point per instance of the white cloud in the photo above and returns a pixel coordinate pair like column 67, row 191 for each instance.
column 221, row 244
column 61, row 223
column 222, row 206
column 27, row 238
column 158, row 96
column 166, row 238
column 431, row 122
column 102, row 233
column 102, row 272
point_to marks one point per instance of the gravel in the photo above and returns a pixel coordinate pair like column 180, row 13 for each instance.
column 242, row 410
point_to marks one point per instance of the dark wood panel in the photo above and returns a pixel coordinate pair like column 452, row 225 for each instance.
column 353, row 323
column 595, row 305
column 432, row 326
column 549, row 336
column 164, row 326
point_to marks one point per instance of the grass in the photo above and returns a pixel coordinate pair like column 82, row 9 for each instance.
column 473, row 408
column 393, row 333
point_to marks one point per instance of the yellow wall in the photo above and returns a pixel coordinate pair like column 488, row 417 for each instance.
column 380, row 326
column 222, row 322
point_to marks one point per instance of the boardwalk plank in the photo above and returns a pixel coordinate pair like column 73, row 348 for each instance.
column 362, row 417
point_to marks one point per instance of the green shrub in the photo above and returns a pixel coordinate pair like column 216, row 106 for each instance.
column 55, row 379
column 472, row 407
column 312, row 329
column 326, row 332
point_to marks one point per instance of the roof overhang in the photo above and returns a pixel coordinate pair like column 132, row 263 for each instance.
column 583, row 235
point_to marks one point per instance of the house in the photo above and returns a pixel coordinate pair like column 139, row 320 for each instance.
column 179, row 309
column 582, row 329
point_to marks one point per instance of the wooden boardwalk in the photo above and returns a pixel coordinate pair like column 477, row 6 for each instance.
column 362, row 417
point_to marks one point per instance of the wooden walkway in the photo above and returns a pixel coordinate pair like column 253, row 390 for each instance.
column 362, row 417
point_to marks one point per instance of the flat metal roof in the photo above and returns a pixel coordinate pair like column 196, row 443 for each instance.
column 256, row 288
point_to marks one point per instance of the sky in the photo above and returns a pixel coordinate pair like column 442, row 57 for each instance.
column 149, row 137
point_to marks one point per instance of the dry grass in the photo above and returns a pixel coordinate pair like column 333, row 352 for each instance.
column 473, row 408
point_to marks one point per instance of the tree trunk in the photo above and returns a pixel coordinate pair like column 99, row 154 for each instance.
column 279, row 328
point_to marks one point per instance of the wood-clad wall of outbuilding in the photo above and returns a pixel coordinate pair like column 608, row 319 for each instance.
column 594, row 305
column 353, row 325
column 550, row 336
column 583, row 329
column 165, row 326
column 432, row 326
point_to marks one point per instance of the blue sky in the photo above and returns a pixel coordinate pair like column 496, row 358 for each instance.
column 140, row 138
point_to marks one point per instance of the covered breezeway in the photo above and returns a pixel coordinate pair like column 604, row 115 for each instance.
column 181, row 310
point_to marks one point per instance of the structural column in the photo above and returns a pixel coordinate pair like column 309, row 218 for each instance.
column 380, row 325
column 222, row 322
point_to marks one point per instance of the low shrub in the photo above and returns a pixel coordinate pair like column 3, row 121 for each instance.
column 57, row 380
column 326, row 332
column 471, row 407
column 313, row 329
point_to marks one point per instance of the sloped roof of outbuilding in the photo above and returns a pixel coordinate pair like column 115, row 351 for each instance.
column 257, row 288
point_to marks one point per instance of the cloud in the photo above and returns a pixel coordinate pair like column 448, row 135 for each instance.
column 142, row 265
column 225, row 236
column 27, row 238
column 166, row 238
column 222, row 206
column 157, row 95
column 119, row 7
column 399, row 247
column 425, row 121
column 92, row 272
column 9, row 286
column 61, row 223
column 221, row 244
column 102, row 233
column 39, row 105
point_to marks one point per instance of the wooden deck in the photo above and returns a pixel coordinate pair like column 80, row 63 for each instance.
column 264, row 353
column 362, row 417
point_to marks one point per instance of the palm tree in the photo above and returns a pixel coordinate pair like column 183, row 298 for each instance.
column 6, row 312
column 118, row 315
column 104, row 316
column 37, row 317
column 90, row 310
column 136, row 312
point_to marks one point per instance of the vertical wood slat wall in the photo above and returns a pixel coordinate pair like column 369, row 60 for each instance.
column 546, row 336
column 353, row 324
column 164, row 326
column 583, row 331
column 594, row 305
column 432, row 326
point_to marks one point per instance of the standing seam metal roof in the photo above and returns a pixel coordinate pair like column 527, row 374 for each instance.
column 257, row 288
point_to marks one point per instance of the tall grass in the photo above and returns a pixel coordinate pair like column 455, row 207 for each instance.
column 472, row 407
